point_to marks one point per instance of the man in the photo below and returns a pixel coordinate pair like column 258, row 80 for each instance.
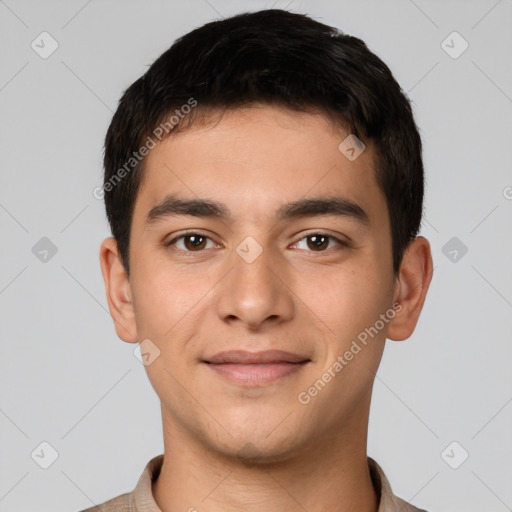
column 264, row 186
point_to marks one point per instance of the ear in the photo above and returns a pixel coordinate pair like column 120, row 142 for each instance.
column 117, row 287
column 411, row 288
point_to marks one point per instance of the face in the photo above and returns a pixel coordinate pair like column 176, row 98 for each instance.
column 257, row 302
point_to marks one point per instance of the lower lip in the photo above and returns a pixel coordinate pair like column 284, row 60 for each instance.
column 255, row 374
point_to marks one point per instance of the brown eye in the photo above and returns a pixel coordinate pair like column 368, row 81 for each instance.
column 194, row 242
column 318, row 242
column 190, row 242
column 321, row 242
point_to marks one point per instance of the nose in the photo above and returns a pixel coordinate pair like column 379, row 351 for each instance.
column 255, row 293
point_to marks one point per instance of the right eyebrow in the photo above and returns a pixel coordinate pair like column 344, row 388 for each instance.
column 172, row 205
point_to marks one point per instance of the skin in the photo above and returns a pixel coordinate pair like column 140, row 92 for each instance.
column 230, row 447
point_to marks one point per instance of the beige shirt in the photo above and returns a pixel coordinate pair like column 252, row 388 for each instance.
column 141, row 498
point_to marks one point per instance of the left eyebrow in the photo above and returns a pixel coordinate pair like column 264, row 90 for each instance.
column 310, row 207
column 332, row 205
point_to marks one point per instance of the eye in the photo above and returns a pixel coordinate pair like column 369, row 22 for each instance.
column 319, row 242
column 191, row 242
column 197, row 242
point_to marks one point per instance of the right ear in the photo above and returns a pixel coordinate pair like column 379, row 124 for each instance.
column 118, row 290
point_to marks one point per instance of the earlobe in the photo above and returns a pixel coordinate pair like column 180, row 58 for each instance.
column 118, row 291
column 412, row 284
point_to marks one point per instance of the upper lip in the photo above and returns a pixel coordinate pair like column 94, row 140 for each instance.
column 263, row 357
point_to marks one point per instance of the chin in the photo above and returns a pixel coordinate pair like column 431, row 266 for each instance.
column 261, row 448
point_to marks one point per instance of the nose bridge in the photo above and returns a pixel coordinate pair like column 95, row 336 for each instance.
column 253, row 291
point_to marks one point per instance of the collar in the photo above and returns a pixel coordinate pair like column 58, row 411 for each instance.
column 143, row 499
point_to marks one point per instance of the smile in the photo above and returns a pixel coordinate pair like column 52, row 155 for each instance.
column 256, row 368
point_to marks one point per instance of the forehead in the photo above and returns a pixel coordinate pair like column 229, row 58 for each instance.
column 256, row 159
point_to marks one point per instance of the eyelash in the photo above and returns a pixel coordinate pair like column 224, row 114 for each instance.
column 341, row 243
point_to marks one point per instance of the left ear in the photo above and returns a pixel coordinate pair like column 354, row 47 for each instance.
column 411, row 288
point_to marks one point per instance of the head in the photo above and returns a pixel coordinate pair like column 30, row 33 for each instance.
column 240, row 222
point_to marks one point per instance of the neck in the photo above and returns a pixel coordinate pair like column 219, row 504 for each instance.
column 331, row 474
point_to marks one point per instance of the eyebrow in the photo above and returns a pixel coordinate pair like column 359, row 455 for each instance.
column 335, row 205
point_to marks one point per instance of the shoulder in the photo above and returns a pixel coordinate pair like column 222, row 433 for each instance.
column 389, row 502
column 404, row 506
column 123, row 503
column 141, row 498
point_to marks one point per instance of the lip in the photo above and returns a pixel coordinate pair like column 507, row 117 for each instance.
column 262, row 357
column 255, row 368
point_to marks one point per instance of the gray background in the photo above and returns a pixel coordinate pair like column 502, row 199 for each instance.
column 68, row 380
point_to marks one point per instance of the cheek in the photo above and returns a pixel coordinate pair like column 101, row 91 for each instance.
column 171, row 305
column 345, row 299
column 161, row 299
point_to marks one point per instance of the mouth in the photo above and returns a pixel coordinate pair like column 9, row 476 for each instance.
column 256, row 368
